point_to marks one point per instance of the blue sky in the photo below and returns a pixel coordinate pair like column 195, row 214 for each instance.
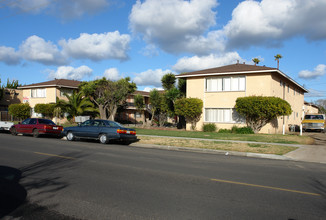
column 87, row 39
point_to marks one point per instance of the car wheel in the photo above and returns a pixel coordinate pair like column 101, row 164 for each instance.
column 13, row 131
column 103, row 139
column 36, row 134
column 70, row 136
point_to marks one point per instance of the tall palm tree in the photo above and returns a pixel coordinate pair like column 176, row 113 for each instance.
column 256, row 61
column 77, row 104
column 277, row 58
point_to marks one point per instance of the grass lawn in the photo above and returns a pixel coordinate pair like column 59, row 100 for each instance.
column 267, row 138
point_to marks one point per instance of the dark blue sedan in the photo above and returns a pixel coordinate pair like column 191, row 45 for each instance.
column 102, row 130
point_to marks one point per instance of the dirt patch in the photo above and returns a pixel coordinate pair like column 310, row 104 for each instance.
column 226, row 146
column 319, row 138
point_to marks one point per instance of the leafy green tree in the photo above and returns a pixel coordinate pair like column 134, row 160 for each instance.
column 155, row 102
column 277, row 58
column 1, row 90
column 47, row 110
column 168, row 81
column 12, row 84
column 21, row 111
column 191, row 109
column 139, row 103
column 76, row 105
column 256, row 61
column 182, row 86
column 108, row 95
column 260, row 110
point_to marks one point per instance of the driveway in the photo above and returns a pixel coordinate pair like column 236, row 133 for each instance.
column 312, row 153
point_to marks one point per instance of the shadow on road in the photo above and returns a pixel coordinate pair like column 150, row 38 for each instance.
column 43, row 179
column 12, row 194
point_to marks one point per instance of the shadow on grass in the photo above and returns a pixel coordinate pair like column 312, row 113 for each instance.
column 43, row 178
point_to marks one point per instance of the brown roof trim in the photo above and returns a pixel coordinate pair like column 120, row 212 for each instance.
column 238, row 69
column 66, row 83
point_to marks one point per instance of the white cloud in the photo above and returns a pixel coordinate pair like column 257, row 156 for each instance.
column 150, row 77
column 112, row 74
column 319, row 70
column 69, row 72
column 188, row 64
column 97, row 47
column 269, row 22
column 38, row 50
column 176, row 25
column 9, row 56
column 66, row 9
column 315, row 93
column 148, row 89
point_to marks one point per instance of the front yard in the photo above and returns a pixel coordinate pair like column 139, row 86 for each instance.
column 166, row 138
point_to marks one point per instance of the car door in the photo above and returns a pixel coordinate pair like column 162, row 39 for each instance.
column 22, row 127
column 84, row 129
column 30, row 126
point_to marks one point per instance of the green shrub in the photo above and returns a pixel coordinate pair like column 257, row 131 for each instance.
column 224, row 131
column 209, row 127
column 242, row 130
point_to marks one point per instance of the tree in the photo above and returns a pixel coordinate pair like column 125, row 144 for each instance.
column 260, row 110
column 13, row 84
column 277, row 58
column 1, row 90
column 139, row 103
column 118, row 95
column 21, row 111
column 76, row 105
column 191, row 109
column 155, row 102
column 182, row 86
column 47, row 110
column 108, row 95
column 256, row 61
column 168, row 81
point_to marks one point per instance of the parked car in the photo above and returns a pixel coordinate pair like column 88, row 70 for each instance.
column 5, row 125
column 37, row 127
column 314, row 122
column 102, row 130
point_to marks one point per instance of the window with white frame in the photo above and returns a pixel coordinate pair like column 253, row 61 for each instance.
column 223, row 115
column 219, row 84
column 67, row 91
column 38, row 93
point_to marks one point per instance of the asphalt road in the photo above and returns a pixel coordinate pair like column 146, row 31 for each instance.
column 88, row 180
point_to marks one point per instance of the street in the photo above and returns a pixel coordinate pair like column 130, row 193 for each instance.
column 89, row 180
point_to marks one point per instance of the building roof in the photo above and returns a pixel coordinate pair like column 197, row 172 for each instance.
column 143, row 93
column 54, row 83
column 237, row 68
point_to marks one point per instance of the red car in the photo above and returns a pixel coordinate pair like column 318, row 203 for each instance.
column 37, row 127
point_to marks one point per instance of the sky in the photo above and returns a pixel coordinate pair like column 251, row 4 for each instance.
column 144, row 39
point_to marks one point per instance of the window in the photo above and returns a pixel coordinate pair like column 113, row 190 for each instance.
column 63, row 91
column 223, row 115
column 226, row 84
column 38, row 93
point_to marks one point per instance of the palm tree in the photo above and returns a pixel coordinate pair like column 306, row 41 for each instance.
column 278, row 57
column 256, row 61
column 77, row 104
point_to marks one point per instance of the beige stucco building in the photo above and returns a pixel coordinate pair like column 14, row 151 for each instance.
column 47, row 92
column 220, row 87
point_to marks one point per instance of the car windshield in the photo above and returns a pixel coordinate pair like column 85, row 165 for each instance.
column 314, row 117
column 46, row 121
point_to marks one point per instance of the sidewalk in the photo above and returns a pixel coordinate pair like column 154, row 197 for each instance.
column 307, row 153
